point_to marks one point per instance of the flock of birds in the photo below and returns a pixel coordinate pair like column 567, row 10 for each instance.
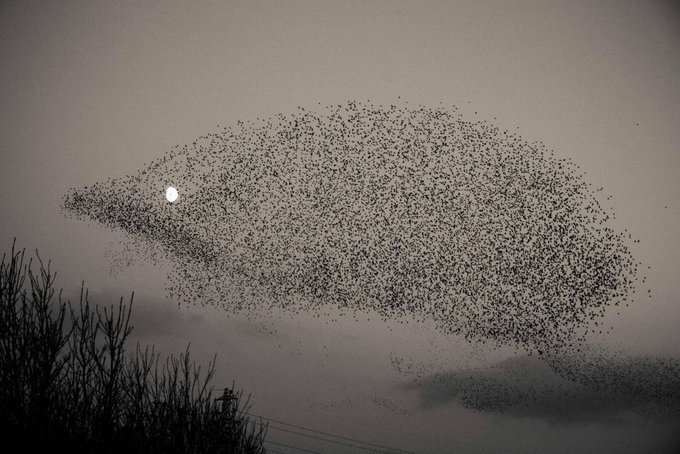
column 412, row 212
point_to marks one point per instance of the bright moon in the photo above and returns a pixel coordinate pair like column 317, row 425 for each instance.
column 171, row 194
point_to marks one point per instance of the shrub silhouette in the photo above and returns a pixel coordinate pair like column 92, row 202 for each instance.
column 67, row 382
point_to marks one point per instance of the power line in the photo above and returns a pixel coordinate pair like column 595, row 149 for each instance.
column 332, row 435
column 323, row 439
column 391, row 450
column 292, row 447
column 335, row 416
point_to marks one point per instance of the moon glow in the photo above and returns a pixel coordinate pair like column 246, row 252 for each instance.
column 171, row 194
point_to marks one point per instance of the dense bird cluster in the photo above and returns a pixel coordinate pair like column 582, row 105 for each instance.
column 407, row 211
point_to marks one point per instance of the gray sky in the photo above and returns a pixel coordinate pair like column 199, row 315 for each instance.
column 96, row 89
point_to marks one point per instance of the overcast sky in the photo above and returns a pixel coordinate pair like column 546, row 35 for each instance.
column 91, row 90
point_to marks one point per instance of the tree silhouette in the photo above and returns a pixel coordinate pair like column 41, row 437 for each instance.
column 68, row 383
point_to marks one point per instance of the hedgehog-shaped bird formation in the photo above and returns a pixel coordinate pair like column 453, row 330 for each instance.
column 406, row 211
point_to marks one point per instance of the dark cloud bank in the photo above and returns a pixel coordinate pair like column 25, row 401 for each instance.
column 563, row 390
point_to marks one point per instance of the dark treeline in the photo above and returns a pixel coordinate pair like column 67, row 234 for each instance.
column 68, row 383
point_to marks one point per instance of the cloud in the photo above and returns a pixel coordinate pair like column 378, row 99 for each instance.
column 562, row 390
column 152, row 317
